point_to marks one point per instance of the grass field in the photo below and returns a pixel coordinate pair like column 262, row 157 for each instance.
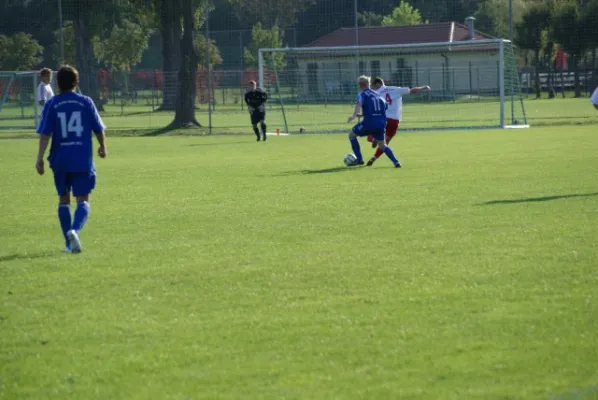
column 220, row 268
column 332, row 117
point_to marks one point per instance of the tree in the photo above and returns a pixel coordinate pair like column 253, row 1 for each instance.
column 492, row 16
column 368, row 18
column 281, row 13
column 568, row 30
column 200, row 47
column 69, row 45
column 404, row 14
column 19, row 52
column 530, row 36
column 185, row 102
column 265, row 38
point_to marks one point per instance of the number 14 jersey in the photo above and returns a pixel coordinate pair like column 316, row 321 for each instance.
column 70, row 119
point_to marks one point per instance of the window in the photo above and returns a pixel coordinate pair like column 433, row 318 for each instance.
column 361, row 67
column 375, row 68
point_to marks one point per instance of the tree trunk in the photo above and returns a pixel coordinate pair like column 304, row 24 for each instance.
column 185, row 101
column 170, row 15
column 537, row 87
column 86, row 64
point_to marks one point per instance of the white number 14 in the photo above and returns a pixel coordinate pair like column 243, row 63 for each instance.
column 73, row 125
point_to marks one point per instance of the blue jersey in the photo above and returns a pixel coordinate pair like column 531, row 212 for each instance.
column 71, row 119
column 373, row 109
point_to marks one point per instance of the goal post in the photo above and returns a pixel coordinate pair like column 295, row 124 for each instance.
column 18, row 106
column 475, row 84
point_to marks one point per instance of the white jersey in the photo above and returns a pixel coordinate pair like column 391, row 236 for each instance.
column 594, row 97
column 394, row 98
column 44, row 92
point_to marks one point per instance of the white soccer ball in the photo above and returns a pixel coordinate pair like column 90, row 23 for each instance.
column 350, row 159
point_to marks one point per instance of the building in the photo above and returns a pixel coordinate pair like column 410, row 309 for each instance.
column 450, row 70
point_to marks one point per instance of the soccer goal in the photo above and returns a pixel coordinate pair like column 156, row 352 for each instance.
column 18, row 106
column 475, row 84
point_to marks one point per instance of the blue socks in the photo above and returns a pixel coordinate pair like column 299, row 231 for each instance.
column 390, row 155
column 356, row 149
column 81, row 214
column 64, row 216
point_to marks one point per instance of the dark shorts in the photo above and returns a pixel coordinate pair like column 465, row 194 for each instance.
column 257, row 116
column 361, row 130
column 79, row 183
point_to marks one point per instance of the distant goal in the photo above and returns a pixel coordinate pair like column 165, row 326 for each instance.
column 475, row 84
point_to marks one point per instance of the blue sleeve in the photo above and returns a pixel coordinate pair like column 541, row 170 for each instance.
column 97, row 125
column 47, row 121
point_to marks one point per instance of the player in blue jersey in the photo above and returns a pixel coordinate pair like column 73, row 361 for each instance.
column 373, row 109
column 69, row 120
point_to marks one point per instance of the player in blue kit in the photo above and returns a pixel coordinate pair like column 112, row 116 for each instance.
column 69, row 120
column 373, row 109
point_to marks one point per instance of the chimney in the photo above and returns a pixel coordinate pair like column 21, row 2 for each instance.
column 469, row 21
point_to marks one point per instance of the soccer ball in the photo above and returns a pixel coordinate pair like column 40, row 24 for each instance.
column 350, row 159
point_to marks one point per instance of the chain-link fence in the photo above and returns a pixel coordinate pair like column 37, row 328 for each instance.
column 143, row 61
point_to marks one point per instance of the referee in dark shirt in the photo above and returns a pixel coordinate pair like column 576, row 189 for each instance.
column 256, row 99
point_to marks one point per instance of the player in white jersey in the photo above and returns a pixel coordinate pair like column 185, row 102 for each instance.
column 394, row 98
column 44, row 90
column 594, row 98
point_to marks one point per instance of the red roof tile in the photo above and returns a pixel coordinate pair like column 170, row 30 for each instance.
column 383, row 35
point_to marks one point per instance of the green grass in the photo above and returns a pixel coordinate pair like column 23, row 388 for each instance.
column 332, row 117
column 219, row 268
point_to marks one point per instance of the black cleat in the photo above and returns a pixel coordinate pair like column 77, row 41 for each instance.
column 398, row 165
column 264, row 138
column 371, row 162
column 374, row 144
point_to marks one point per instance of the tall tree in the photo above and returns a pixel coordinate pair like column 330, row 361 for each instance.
column 185, row 102
column 69, row 45
column 123, row 48
column 265, row 38
column 368, row 18
column 282, row 13
column 19, row 52
column 404, row 14
column 530, row 36
column 170, row 27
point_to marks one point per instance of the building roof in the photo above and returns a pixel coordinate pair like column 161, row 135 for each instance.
column 384, row 35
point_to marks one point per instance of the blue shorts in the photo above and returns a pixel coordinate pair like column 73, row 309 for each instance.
column 80, row 183
column 361, row 130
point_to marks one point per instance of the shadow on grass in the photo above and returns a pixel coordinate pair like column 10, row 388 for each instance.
column 26, row 256
column 317, row 171
column 538, row 199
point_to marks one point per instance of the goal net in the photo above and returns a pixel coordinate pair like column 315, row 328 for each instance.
column 18, row 107
column 475, row 84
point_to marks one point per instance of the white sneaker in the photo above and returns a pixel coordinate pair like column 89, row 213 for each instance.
column 74, row 241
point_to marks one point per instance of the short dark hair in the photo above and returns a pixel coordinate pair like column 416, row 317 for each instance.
column 377, row 81
column 45, row 72
column 67, row 78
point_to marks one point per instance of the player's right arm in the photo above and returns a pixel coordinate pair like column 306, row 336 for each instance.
column 357, row 109
column 40, row 95
column 45, row 130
